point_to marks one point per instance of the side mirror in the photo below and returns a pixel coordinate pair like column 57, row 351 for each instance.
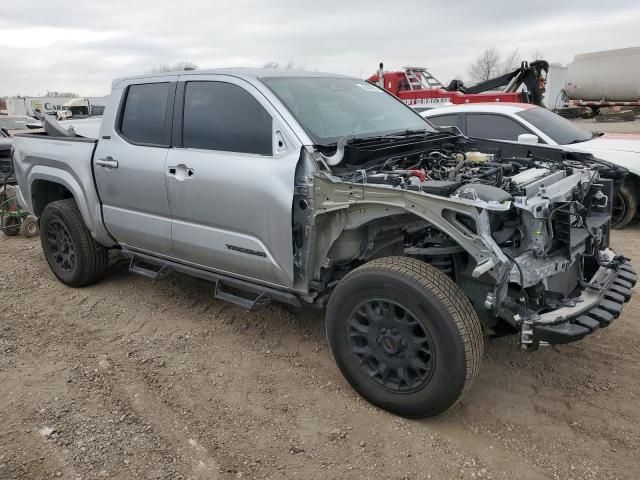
column 528, row 138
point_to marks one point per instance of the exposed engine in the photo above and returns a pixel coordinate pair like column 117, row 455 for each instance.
column 551, row 229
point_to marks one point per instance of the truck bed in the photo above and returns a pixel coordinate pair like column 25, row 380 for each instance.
column 39, row 157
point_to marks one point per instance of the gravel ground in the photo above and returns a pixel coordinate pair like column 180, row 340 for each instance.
column 135, row 379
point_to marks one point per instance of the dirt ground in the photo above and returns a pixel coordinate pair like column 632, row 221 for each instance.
column 132, row 378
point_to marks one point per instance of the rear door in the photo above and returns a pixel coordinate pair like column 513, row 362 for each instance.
column 493, row 126
column 230, row 180
column 129, row 165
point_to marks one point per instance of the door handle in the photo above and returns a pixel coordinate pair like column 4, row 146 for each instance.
column 181, row 171
column 107, row 162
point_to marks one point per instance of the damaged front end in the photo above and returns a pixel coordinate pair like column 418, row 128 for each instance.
column 525, row 235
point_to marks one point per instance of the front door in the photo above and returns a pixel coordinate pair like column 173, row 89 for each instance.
column 129, row 166
column 230, row 181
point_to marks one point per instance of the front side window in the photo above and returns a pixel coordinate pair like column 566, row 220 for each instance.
column 223, row 116
column 450, row 120
column 493, row 126
column 329, row 108
column 144, row 114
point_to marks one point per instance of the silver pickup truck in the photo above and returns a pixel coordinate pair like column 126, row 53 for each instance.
column 318, row 189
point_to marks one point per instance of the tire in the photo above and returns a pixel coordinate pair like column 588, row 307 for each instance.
column 437, row 317
column 29, row 227
column 625, row 208
column 10, row 225
column 71, row 252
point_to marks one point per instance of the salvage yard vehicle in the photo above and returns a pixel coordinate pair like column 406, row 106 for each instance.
column 531, row 124
column 311, row 188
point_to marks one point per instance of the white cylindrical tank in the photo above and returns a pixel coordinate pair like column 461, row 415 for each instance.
column 556, row 80
column 612, row 75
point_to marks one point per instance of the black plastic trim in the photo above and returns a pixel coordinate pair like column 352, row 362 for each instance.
column 608, row 308
column 65, row 139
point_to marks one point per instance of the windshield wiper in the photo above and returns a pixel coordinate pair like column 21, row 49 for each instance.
column 387, row 136
column 404, row 133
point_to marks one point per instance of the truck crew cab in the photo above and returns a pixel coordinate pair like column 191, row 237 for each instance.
column 311, row 188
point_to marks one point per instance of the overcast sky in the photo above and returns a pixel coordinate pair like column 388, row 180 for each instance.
column 80, row 46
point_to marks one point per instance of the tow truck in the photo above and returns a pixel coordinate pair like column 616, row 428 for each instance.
column 417, row 87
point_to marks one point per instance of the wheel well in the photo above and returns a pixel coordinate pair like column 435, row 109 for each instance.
column 43, row 192
column 390, row 237
column 632, row 180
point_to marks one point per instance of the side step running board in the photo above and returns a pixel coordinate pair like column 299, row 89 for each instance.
column 226, row 288
column 161, row 272
column 260, row 300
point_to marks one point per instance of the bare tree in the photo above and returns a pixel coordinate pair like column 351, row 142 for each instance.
column 271, row 65
column 180, row 66
column 485, row 66
column 511, row 62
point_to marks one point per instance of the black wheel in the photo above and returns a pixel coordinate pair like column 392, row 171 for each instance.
column 72, row 253
column 624, row 208
column 29, row 227
column 10, row 225
column 405, row 336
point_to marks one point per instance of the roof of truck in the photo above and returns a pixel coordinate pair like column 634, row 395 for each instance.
column 255, row 73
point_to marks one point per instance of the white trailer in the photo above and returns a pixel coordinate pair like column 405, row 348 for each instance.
column 605, row 79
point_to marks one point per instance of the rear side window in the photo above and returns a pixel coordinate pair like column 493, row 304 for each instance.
column 493, row 126
column 223, row 116
column 144, row 114
column 445, row 120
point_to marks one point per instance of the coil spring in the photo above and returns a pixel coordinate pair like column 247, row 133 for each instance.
column 444, row 263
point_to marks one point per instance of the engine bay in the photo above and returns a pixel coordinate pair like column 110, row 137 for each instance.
column 550, row 230
column 440, row 164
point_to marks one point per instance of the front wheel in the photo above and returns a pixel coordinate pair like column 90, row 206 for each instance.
column 71, row 252
column 624, row 208
column 405, row 336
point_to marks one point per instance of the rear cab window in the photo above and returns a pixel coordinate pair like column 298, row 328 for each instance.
column 144, row 114
column 225, row 117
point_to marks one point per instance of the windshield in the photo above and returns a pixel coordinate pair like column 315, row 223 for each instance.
column 331, row 108
column 561, row 130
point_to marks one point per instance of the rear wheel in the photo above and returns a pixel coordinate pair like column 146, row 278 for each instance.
column 624, row 208
column 71, row 252
column 405, row 336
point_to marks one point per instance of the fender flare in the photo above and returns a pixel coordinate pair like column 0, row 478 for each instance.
column 92, row 217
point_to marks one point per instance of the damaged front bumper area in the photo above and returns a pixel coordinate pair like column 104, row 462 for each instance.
column 596, row 307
